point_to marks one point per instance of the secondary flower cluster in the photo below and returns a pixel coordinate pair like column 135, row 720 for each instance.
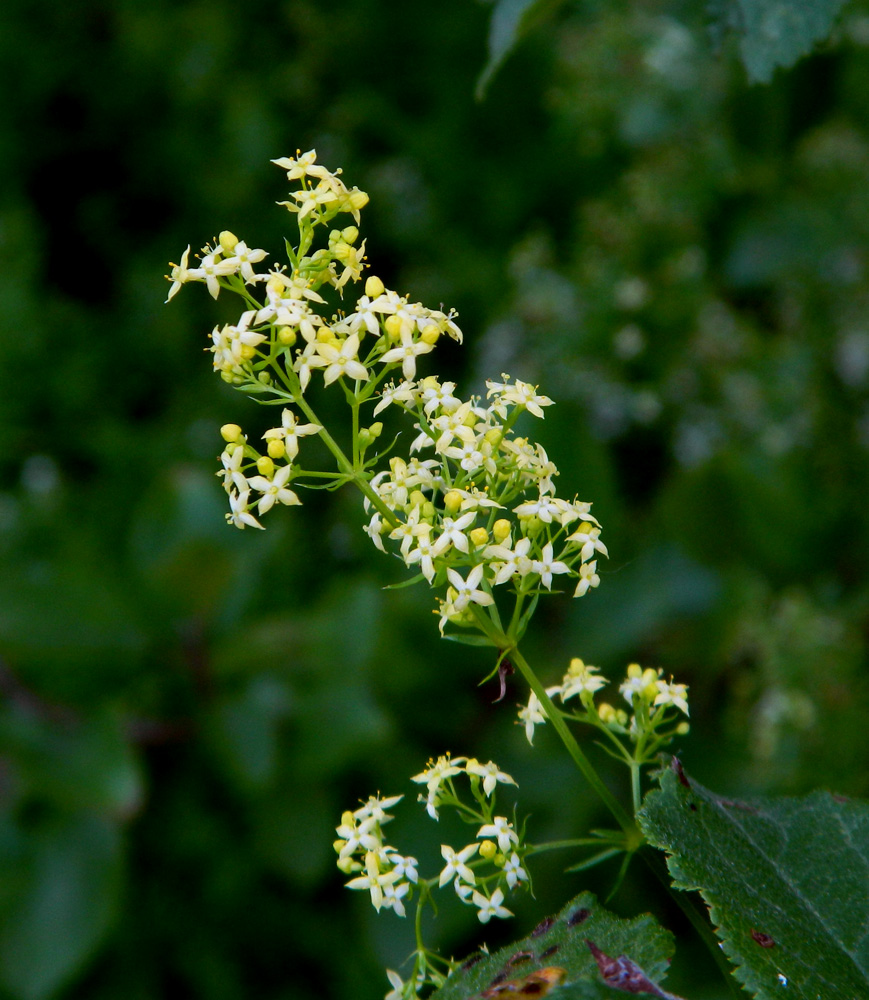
column 650, row 696
column 479, row 872
column 472, row 506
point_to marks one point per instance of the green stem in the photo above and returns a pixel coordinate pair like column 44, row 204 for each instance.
column 572, row 747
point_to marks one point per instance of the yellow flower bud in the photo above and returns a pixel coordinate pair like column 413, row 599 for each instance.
column 247, row 352
column 634, row 670
column 287, row 336
column 228, row 241
column 350, row 235
column 606, row 712
column 683, row 729
column 265, row 466
column 275, row 285
column 365, row 438
column 376, row 429
column 493, row 435
column 358, row 199
column 427, row 511
column 478, row 537
column 430, row 334
column 488, row 849
column 533, row 526
column 470, row 419
column 347, row 865
column 452, row 501
column 276, row 448
column 392, row 324
column 373, row 286
column 230, row 432
column 501, row 530
column 325, row 335
column 417, row 498
column 265, row 378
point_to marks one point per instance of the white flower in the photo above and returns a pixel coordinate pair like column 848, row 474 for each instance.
column 374, row 881
column 508, row 562
column 672, row 694
column 423, row 554
column 243, row 259
column 580, row 678
column 490, row 907
column 274, row 490
column 489, row 773
column 376, row 807
column 587, row 578
column 453, row 533
column 393, row 894
column 340, row 361
column 404, row 392
column 587, row 535
column 407, row 353
column 502, row 831
column 514, row 871
column 397, row 984
column 179, row 275
column 210, row 270
column 455, row 864
column 239, row 514
column 290, row 431
column 532, row 715
column 466, row 590
column 233, row 477
column 547, row 565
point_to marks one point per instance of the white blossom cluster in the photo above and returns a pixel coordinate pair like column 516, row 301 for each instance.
column 646, row 691
column 471, row 507
column 479, row 872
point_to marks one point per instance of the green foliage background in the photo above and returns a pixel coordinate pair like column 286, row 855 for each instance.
column 680, row 258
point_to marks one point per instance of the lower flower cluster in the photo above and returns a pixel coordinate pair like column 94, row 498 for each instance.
column 480, row 873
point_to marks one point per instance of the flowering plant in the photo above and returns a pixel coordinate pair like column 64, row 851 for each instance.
column 471, row 510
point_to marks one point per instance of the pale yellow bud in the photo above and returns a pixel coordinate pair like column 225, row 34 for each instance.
column 230, row 432
column 358, row 199
column 493, row 435
column 427, row 511
column 228, row 241
column 276, row 448
column 228, row 377
column 350, row 234
column 478, row 537
column 275, row 285
column 265, row 466
column 346, row 865
column 376, row 429
column 392, row 325
column 247, row 352
column 287, row 336
column 488, row 849
column 373, row 286
column 365, row 438
column 500, row 860
column 430, row 334
column 417, row 498
column 533, row 526
column 634, row 670
column 501, row 530
column 265, row 378
column 683, row 729
column 325, row 335
column 606, row 712
column 452, row 501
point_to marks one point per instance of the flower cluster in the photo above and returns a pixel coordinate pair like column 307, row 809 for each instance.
column 651, row 724
column 471, row 507
column 479, row 872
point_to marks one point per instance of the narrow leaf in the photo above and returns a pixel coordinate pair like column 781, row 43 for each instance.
column 511, row 20
column 786, row 881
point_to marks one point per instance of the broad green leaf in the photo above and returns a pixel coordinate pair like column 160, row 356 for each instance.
column 562, row 943
column 775, row 33
column 511, row 20
column 786, row 881
column 67, row 884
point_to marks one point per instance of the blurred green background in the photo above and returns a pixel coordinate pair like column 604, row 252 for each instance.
column 680, row 259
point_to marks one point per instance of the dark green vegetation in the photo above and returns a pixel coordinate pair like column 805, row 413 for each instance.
column 680, row 259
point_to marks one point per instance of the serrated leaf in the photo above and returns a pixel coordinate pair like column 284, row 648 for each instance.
column 560, row 943
column 776, row 33
column 786, row 881
column 511, row 19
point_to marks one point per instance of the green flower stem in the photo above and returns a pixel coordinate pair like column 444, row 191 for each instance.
column 572, row 747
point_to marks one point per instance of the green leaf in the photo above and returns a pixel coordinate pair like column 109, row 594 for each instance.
column 511, row 20
column 785, row 880
column 561, row 942
column 775, row 33
column 68, row 880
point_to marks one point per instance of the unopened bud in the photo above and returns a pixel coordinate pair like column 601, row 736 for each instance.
column 228, row 241
column 373, row 286
column 478, row 537
column 452, row 501
column 230, row 432
column 488, row 849
column 606, row 713
column 365, row 438
column 532, row 526
column 417, row 498
column 287, row 336
column 265, row 378
column 265, row 466
column 276, row 448
column 392, row 325
column 501, row 529
column 493, row 435
column 350, row 234
column 683, row 729
column 358, row 199
column 430, row 334
column 376, row 429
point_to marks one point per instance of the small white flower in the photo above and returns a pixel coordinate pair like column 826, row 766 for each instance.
column 547, row 565
column 672, row 694
column 502, row 830
column 274, row 490
column 455, row 864
column 490, row 774
column 466, row 590
column 490, row 907
column 374, row 881
column 239, row 514
column 588, row 578
column 407, row 353
column 340, row 361
column 514, row 871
